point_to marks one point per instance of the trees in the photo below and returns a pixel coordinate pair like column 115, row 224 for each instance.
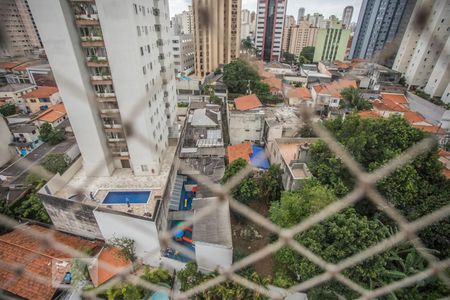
column 32, row 208
column 308, row 53
column 353, row 99
column 289, row 58
column 55, row 163
column 416, row 189
column 49, row 134
column 237, row 74
column 262, row 90
column 127, row 247
column 247, row 190
column 7, row 110
column 270, row 184
column 190, row 277
column 302, row 61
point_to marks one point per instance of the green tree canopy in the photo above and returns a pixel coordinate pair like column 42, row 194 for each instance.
column 32, row 208
column 55, row 163
column 416, row 189
column 237, row 74
column 270, row 184
column 51, row 135
column 354, row 100
column 308, row 53
column 262, row 90
column 7, row 110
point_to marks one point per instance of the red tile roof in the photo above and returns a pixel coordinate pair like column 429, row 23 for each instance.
column 301, row 93
column 108, row 259
column 397, row 98
column 16, row 247
column 413, row 117
column 275, row 84
column 388, row 105
column 446, row 173
column 369, row 114
column 243, row 150
column 53, row 113
column 9, row 64
column 430, row 129
column 41, row 92
column 334, row 89
column 247, row 102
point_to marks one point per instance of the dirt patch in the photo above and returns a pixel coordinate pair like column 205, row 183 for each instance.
column 249, row 237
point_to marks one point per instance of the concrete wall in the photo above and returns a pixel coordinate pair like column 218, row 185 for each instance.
column 142, row 231
column 6, row 153
column 209, row 256
column 245, row 127
column 59, row 181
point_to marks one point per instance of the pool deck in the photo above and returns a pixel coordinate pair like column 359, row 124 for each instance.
column 122, row 179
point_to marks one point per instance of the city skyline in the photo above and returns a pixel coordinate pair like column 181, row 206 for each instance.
column 326, row 7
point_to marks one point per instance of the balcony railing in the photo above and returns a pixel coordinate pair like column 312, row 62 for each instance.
column 109, row 110
column 85, row 19
column 105, row 95
column 91, row 38
column 106, row 125
column 101, row 77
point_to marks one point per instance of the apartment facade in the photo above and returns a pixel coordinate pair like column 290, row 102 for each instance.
column 288, row 24
column 423, row 55
column 18, row 28
column 302, row 35
column 301, row 14
column 183, row 23
column 380, row 22
column 113, row 65
column 217, row 31
column 347, row 16
column 183, row 53
column 271, row 15
column 331, row 43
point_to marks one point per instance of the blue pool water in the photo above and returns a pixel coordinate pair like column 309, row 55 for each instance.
column 132, row 197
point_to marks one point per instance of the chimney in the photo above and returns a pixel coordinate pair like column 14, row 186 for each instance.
column 303, row 153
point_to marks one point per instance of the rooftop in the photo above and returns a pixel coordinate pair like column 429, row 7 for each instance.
column 275, row 84
column 16, row 246
column 388, row 105
column 23, row 128
column 121, row 179
column 301, row 93
column 369, row 114
column 41, row 92
column 111, row 257
column 15, row 87
column 53, row 113
column 289, row 147
column 247, row 102
column 215, row 227
column 397, row 98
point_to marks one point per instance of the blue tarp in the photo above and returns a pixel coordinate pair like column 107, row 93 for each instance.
column 259, row 158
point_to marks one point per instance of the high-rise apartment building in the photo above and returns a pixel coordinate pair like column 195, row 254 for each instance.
column 217, row 31
column 315, row 19
column 245, row 16
column 113, row 65
column 380, row 22
column 301, row 15
column 288, row 24
column 269, row 28
column 246, row 27
column 331, row 43
column 347, row 16
column 423, row 56
column 17, row 29
column 183, row 53
column 302, row 35
column 183, row 23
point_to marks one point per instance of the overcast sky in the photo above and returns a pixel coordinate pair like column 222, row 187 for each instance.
column 325, row 7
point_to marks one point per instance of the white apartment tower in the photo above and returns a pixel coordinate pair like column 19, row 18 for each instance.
column 113, row 65
column 347, row 16
column 423, row 56
column 269, row 28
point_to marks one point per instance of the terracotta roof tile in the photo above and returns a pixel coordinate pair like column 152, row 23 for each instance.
column 53, row 113
column 430, row 129
column 243, row 150
column 274, row 83
column 41, row 92
column 369, row 114
column 9, row 64
column 301, row 93
column 247, row 102
column 397, row 98
column 388, row 105
column 112, row 257
column 17, row 247
column 413, row 117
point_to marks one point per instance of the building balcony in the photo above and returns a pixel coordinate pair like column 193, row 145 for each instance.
column 96, row 44
column 110, row 114
column 106, row 99
column 86, row 20
column 91, row 38
column 164, row 82
column 115, row 140
column 117, row 130
column 161, row 57
column 109, row 110
column 112, row 126
column 97, row 61
column 101, row 77
column 102, row 82
column 121, row 154
column 106, row 95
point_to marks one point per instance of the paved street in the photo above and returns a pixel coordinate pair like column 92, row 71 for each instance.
column 16, row 169
column 430, row 111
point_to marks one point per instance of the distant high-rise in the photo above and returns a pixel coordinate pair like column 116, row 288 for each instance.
column 183, row 23
column 347, row 16
column 380, row 22
column 217, row 32
column 289, row 22
column 423, row 55
column 300, row 36
column 331, row 43
column 315, row 19
column 245, row 16
column 17, row 28
column 301, row 14
column 246, row 27
column 113, row 65
column 269, row 28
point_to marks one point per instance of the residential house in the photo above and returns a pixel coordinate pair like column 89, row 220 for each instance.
column 390, row 104
column 253, row 154
column 292, row 154
column 25, row 138
column 54, row 115
column 245, row 120
column 276, row 86
column 300, row 96
column 329, row 95
column 15, row 92
column 42, row 98
column 5, row 139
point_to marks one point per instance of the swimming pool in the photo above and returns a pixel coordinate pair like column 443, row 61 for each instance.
column 125, row 197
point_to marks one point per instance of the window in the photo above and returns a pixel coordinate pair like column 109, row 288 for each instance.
column 142, row 51
column 135, row 9
column 144, row 70
column 144, row 168
column 139, row 30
